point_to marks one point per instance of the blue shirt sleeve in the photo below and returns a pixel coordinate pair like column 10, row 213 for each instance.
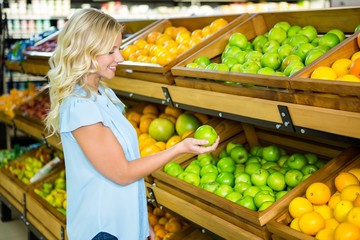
column 76, row 112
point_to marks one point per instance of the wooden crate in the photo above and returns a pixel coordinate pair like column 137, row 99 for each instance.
column 333, row 94
column 279, row 225
column 13, row 66
column 265, row 87
column 253, row 221
column 134, row 28
column 162, row 74
column 36, row 65
column 42, row 213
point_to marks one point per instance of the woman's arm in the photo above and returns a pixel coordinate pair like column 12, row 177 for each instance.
column 104, row 151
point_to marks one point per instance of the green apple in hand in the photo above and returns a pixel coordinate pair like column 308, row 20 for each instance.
column 206, row 132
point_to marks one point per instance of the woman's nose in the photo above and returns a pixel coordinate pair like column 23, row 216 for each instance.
column 119, row 58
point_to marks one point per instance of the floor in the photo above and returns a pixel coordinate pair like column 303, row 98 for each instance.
column 14, row 229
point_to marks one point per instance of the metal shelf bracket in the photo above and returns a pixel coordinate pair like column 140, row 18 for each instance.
column 286, row 118
column 167, row 96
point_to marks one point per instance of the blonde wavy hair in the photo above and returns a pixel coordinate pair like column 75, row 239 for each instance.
column 88, row 34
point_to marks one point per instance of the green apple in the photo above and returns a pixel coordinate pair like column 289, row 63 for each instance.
column 252, row 191
column 210, row 187
column 206, row 132
column 339, row 33
column 243, row 177
column 223, row 154
column 238, row 39
column 298, row 38
column 312, row 55
column 237, row 67
column 278, row 34
column 282, row 160
column 252, row 167
column 268, row 165
column 285, row 62
column 253, row 159
column 210, row 168
column 259, row 42
column 309, row 169
column 283, row 24
column 271, row 60
column 256, row 151
column 239, row 168
column 230, row 51
column 271, row 153
column 202, row 61
column 173, row 169
column 295, row 69
column 230, row 145
column 239, row 154
column 221, row 67
column 296, row 161
column 250, row 67
column 234, row 196
column 253, row 56
column 247, row 202
column 226, row 164
column 192, row 65
column 241, row 187
column 211, row 66
column 223, row 190
column 264, row 196
column 259, row 177
column 293, row 65
column 280, row 194
column 293, row 177
column 266, row 71
column 205, row 158
column 329, row 39
column 226, row 178
column 284, row 51
column 293, row 30
column 276, row 181
column 271, row 46
column 265, row 205
column 309, row 31
column 192, row 178
column 302, row 49
column 311, row 158
column 208, row 177
column 229, row 61
column 193, row 168
column 240, row 57
column 357, row 28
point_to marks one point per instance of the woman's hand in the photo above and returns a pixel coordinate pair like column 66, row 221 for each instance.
column 196, row 146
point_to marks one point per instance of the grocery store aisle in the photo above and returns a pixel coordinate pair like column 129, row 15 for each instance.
column 13, row 230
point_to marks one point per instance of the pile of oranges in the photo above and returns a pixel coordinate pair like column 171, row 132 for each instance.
column 164, row 224
column 141, row 118
column 327, row 215
column 8, row 102
column 163, row 47
column 343, row 69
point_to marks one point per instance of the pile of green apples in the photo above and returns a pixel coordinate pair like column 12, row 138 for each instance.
column 26, row 169
column 282, row 51
column 54, row 192
column 253, row 178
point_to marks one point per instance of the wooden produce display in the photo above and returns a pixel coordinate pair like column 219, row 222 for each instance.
column 335, row 94
column 278, row 88
column 279, row 225
column 162, row 74
column 253, row 222
column 41, row 214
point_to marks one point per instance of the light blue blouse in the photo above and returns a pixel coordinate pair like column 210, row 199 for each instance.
column 95, row 203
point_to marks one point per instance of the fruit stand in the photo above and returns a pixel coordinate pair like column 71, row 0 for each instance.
column 296, row 113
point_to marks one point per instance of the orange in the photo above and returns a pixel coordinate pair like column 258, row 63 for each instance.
column 153, row 219
column 187, row 134
column 158, row 226
column 355, row 56
column 354, row 216
column 300, row 205
column 133, row 116
column 161, row 145
column 325, row 211
column 162, row 39
column 202, row 117
column 217, row 24
column 133, row 56
column 148, row 115
column 324, row 73
column 144, row 125
column 182, row 48
column 145, row 142
column 159, row 212
column 173, row 226
column 344, row 179
column 169, row 30
column 206, row 31
column 197, row 33
column 347, row 231
column 356, row 172
column 342, row 209
column 294, row 224
column 318, row 193
column 160, row 233
column 168, row 236
column 341, row 66
column 177, row 30
column 138, row 132
column 168, row 117
column 163, row 221
column 149, row 150
column 173, row 111
column 140, row 43
column 143, row 136
column 325, row 234
column 170, row 44
column 172, row 141
column 194, row 41
column 334, row 199
column 153, row 36
column 165, row 57
column 349, row 78
column 311, row 223
column 150, row 108
column 331, row 223
column 350, row 192
column 357, row 201
column 355, row 68
column 133, row 123
column 128, row 50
